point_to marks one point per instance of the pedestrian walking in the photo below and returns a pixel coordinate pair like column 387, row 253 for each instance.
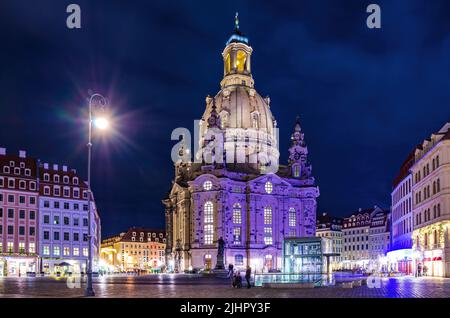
column 230, row 270
column 248, row 274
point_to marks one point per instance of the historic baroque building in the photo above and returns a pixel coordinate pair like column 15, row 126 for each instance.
column 238, row 200
column 431, row 207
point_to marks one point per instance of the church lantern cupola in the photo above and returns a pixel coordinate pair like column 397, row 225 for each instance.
column 237, row 59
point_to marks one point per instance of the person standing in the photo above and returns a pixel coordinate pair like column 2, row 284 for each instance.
column 230, row 270
column 248, row 274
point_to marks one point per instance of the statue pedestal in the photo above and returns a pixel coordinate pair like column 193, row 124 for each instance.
column 221, row 273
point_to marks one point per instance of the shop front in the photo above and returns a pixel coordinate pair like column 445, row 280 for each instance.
column 17, row 266
column 63, row 267
column 400, row 261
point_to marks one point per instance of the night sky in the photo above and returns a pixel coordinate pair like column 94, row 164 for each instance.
column 365, row 97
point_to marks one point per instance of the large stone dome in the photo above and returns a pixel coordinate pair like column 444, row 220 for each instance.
column 244, row 119
column 241, row 107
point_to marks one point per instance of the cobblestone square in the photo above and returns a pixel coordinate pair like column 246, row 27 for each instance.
column 193, row 286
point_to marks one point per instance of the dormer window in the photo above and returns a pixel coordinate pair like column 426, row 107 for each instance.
column 75, row 180
column 66, row 179
column 56, row 178
column 46, row 177
column 16, row 170
column 27, row 172
column 207, row 185
column 11, row 163
column 22, row 164
column 5, row 169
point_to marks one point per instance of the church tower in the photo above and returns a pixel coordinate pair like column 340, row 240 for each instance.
column 228, row 206
column 246, row 128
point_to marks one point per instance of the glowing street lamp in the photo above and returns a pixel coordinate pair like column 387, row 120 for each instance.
column 101, row 123
column 97, row 105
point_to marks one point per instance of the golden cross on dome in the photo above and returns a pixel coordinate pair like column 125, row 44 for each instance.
column 236, row 21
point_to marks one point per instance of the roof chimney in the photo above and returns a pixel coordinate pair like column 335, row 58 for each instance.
column 45, row 165
column 2, row 151
column 64, row 168
column 22, row 154
column 55, row 167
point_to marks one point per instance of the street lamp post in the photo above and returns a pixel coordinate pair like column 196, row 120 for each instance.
column 102, row 124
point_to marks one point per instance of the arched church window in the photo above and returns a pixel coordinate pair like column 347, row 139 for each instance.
column 292, row 217
column 268, row 187
column 207, row 185
column 237, row 213
column 227, row 64
column 296, row 171
column 241, row 60
column 208, row 210
column 268, row 215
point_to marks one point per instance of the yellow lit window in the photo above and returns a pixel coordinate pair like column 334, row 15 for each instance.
column 227, row 64
column 241, row 59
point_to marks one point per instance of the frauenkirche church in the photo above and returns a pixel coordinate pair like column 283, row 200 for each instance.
column 247, row 208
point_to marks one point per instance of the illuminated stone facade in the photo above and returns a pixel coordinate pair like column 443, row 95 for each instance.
column 137, row 249
column 431, row 209
column 250, row 209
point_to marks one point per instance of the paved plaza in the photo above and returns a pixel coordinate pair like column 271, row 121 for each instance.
column 193, row 286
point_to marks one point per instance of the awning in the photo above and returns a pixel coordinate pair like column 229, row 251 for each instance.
column 63, row 264
column 437, row 258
